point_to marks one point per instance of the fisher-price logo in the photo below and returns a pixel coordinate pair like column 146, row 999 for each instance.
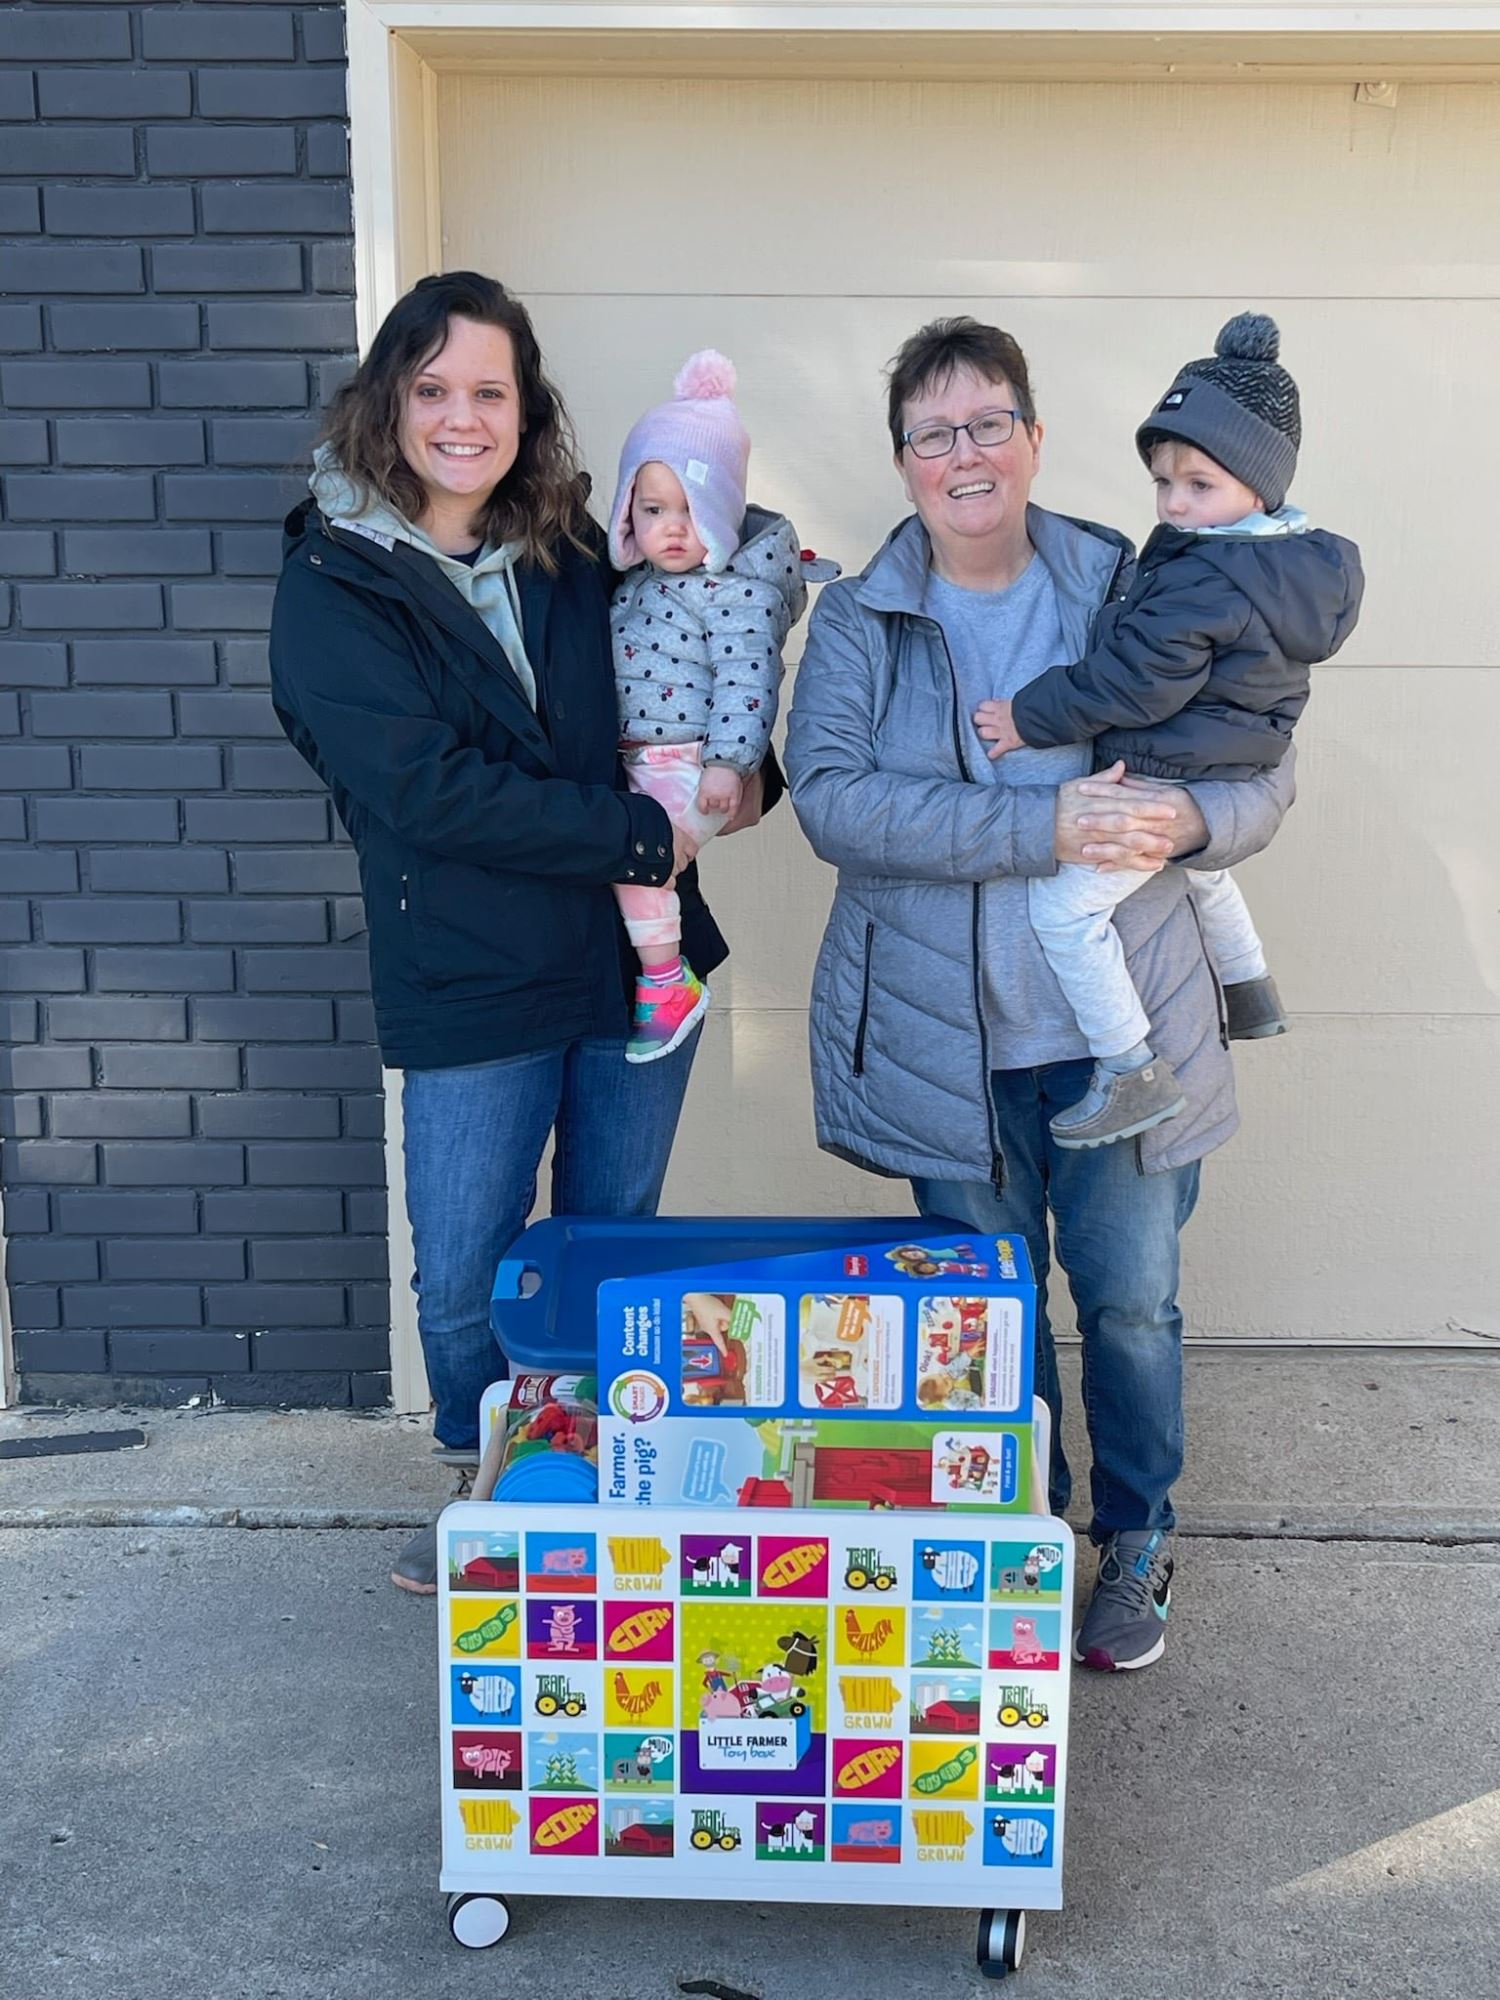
column 856, row 1266
column 639, row 1397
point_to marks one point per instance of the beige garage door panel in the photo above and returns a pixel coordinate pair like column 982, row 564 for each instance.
column 984, row 189
column 746, row 1146
column 1393, row 398
column 1381, row 894
column 1391, row 1232
column 821, row 223
column 1385, row 1130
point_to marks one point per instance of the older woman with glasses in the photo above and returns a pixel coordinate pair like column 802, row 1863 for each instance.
column 942, row 1043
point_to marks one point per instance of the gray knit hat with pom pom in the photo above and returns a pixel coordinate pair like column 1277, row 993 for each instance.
column 1240, row 407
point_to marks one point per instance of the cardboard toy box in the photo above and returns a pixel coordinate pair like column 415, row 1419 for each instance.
column 894, row 1375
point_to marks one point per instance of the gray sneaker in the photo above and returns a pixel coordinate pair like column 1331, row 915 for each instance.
column 417, row 1565
column 1125, row 1625
column 1252, row 1009
column 1117, row 1107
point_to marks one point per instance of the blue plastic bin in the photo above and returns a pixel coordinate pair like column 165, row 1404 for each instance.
column 545, row 1303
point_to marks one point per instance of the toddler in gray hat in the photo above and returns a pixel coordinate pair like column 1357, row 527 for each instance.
column 1199, row 670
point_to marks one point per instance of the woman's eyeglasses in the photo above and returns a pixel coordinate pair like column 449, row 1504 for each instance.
column 937, row 440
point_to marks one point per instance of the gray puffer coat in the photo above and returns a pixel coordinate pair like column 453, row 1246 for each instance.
column 883, row 790
column 698, row 656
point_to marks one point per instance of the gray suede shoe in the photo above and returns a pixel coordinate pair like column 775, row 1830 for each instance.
column 1117, row 1107
column 1252, row 1010
column 417, row 1565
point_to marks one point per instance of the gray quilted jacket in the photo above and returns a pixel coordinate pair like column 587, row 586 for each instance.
column 880, row 785
column 698, row 657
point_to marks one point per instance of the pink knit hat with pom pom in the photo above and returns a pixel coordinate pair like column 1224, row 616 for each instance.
column 700, row 436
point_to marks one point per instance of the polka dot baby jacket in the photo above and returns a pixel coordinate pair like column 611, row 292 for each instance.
column 698, row 657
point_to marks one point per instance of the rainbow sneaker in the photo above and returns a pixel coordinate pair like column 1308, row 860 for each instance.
column 665, row 1016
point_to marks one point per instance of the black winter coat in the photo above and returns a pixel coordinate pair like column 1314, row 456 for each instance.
column 1202, row 667
column 487, row 834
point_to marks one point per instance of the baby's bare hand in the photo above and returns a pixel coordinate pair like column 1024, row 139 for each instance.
column 720, row 790
column 993, row 721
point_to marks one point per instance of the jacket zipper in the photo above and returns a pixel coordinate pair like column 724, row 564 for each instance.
column 1213, row 973
column 997, row 1158
column 403, row 891
column 864, row 1005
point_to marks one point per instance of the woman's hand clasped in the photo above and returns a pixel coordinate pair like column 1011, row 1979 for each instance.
column 1109, row 821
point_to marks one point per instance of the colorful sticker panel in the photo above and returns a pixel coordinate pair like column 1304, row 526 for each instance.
column 482, row 1694
column 1020, row 1773
column 561, row 1631
column 639, row 1760
column 487, row 1760
column 717, row 1826
column 562, row 1563
column 1018, row 1839
column 792, row 1566
column 562, row 1760
column 791, row 1830
column 869, row 1701
column 1020, row 1703
column 940, row 1771
column 484, row 1560
column 944, row 1836
column 639, row 1697
column 563, row 1827
column 1026, row 1572
column 484, row 1628
column 637, row 1631
column 870, row 1569
column 866, row 1769
column 952, row 1637
column 866, row 1833
column 561, row 1696
column 870, row 1635
column 717, row 1565
column 639, row 1829
column 946, row 1704
column 948, row 1571
column 1030, row 1640
column 637, row 1564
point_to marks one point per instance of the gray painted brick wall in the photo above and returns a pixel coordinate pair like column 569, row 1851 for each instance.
column 189, row 1102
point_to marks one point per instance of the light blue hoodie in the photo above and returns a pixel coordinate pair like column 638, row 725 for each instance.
column 489, row 585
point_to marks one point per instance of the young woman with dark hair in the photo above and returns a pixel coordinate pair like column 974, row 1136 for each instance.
column 440, row 655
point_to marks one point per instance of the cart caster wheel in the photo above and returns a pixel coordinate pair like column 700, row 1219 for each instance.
column 1002, row 1942
column 478, row 1921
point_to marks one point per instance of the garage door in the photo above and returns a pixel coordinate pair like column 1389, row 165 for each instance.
column 806, row 228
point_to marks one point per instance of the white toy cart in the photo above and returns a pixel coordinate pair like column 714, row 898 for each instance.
column 783, row 1704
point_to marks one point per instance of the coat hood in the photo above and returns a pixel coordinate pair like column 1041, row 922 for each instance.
column 1306, row 587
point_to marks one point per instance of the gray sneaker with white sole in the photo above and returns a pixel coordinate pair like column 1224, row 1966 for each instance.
column 417, row 1565
column 1253, row 1010
column 1118, row 1106
column 1125, row 1625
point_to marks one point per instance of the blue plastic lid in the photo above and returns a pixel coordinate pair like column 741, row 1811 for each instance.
column 548, row 1476
column 544, row 1307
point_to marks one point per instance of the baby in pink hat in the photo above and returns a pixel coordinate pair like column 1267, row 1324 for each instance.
column 698, row 624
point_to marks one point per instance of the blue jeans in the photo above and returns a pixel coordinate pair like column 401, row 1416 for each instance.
column 1117, row 1241
column 474, row 1138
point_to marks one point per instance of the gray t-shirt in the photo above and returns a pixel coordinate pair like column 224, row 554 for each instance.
column 999, row 640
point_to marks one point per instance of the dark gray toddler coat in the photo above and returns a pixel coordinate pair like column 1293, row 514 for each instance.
column 1202, row 667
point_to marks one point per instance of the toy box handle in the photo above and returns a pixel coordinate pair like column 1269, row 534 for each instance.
column 517, row 1278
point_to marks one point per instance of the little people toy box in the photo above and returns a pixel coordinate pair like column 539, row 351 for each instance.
column 867, row 1374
